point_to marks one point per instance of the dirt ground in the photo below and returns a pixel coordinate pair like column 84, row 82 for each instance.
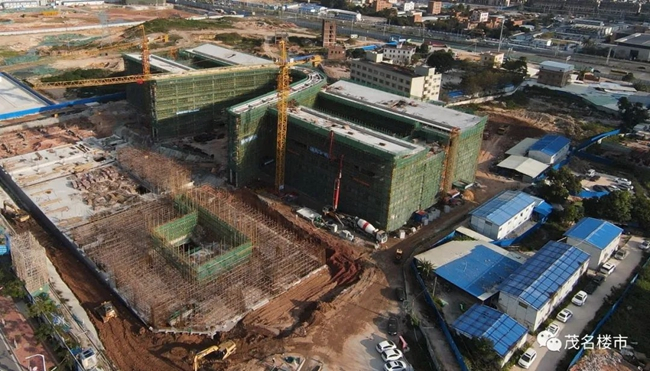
column 603, row 360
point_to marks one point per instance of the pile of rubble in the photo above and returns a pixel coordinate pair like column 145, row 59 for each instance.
column 603, row 360
column 105, row 187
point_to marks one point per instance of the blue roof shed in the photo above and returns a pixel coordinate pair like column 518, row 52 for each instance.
column 550, row 144
column 504, row 206
column 596, row 232
column 473, row 266
column 542, row 275
column 484, row 322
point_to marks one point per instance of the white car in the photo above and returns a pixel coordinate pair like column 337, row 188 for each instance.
column 396, row 366
column 645, row 245
column 385, row 345
column 580, row 298
column 527, row 358
column 565, row 315
column 391, row 355
column 623, row 181
column 553, row 329
column 608, row 268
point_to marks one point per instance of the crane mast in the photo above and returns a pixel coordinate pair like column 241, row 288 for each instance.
column 284, row 81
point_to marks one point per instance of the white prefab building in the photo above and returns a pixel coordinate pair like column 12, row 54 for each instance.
column 597, row 238
column 536, row 288
column 550, row 149
column 502, row 214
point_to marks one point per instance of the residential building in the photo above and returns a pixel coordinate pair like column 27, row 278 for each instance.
column 419, row 83
column 502, row 214
column 635, row 47
column 546, row 6
column 336, row 52
column 550, row 149
column 492, row 60
column 475, row 267
column 408, row 6
column 483, row 322
column 542, row 283
column 555, row 73
column 434, row 7
column 399, row 54
column 596, row 237
column 619, row 8
column 581, row 7
column 479, row 16
column 328, row 33
column 380, row 5
column 415, row 17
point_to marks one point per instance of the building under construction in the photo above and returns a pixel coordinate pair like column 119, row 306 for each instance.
column 185, row 259
column 395, row 154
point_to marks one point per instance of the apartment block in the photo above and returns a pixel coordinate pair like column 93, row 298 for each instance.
column 328, row 35
column 421, row 83
column 434, row 7
column 399, row 54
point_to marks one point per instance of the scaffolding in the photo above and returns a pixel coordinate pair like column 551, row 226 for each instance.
column 29, row 262
column 199, row 261
column 157, row 172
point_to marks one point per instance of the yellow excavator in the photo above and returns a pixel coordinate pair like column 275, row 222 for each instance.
column 223, row 351
column 14, row 213
column 106, row 311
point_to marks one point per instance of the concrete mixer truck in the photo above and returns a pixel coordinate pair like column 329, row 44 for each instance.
column 380, row 236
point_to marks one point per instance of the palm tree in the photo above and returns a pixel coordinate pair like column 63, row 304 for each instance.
column 426, row 268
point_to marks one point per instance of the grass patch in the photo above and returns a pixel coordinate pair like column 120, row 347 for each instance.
column 10, row 54
column 78, row 74
column 518, row 99
column 235, row 39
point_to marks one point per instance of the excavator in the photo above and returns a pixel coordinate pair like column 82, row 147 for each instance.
column 14, row 213
column 223, row 351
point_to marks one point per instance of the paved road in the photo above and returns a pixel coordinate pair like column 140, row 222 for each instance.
column 7, row 360
column 547, row 361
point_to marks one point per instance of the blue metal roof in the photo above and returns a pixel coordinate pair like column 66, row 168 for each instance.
column 544, row 273
column 504, row 206
column 481, row 321
column 478, row 272
column 550, row 144
column 594, row 231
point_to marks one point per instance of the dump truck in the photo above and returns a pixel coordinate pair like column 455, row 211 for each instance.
column 106, row 311
column 222, row 351
column 14, row 213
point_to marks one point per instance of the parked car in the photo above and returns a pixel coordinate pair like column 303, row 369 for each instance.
column 391, row 355
column 621, row 254
column 607, row 268
column 396, row 366
column 565, row 315
column 400, row 294
column 590, row 172
column 385, row 345
column 599, row 188
column 623, row 181
column 527, row 358
column 553, row 329
column 580, row 298
column 393, row 324
column 645, row 245
column 594, row 178
column 590, row 287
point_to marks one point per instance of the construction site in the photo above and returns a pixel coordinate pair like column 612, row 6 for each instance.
column 200, row 262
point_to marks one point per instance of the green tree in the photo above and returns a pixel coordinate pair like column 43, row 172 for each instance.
column 572, row 213
column 426, row 268
column 42, row 305
column 641, row 211
column 615, row 206
column 442, row 60
column 357, row 53
column 14, row 288
column 631, row 114
column 517, row 65
column 559, row 185
column 629, row 77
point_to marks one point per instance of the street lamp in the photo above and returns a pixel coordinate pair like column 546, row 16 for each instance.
column 42, row 359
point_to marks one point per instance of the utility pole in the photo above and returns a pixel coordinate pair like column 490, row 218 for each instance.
column 503, row 22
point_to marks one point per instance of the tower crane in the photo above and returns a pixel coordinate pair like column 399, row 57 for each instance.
column 284, row 89
column 146, row 73
column 451, row 154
